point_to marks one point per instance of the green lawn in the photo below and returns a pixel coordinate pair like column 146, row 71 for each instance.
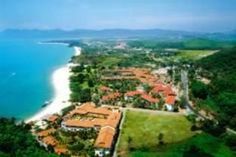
column 141, row 130
column 194, row 54
column 207, row 146
column 109, row 61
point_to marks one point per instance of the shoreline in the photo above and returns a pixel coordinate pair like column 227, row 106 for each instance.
column 61, row 85
column 53, row 43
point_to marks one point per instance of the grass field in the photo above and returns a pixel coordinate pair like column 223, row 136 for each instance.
column 208, row 144
column 109, row 61
column 140, row 131
column 194, row 54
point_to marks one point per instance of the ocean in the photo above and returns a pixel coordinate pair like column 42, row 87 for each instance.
column 26, row 69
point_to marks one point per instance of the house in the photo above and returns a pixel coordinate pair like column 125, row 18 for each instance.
column 149, row 98
column 48, row 141
column 45, row 139
column 158, row 88
column 45, row 133
column 168, row 91
column 53, row 118
column 143, row 95
column 130, row 94
column 170, row 102
column 111, row 96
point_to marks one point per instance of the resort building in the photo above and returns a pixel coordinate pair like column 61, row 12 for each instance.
column 103, row 119
column 167, row 93
column 129, row 96
column 45, row 133
column 104, row 141
column 49, row 141
column 144, row 76
column 46, row 139
column 111, row 98
column 52, row 118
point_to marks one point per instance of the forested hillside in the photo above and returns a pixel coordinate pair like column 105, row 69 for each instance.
column 188, row 44
column 222, row 62
column 221, row 92
column 17, row 141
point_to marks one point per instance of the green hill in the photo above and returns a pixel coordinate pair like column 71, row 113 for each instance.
column 221, row 97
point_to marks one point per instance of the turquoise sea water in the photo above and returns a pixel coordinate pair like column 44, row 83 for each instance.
column 26, row 69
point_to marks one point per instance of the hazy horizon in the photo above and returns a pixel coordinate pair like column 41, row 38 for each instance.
column 107, row 29
column 193, row 16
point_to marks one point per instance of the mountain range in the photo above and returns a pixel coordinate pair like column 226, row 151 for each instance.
column 114, row 33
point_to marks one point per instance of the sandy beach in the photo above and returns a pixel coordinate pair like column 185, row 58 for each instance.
column 60, row 80
column 77, row 51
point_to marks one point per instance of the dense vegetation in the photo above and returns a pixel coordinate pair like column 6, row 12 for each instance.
column 189, row 44
column 217, row 97
column 201, row 145
column 82, row 83
column 79, row 143
column 220, row 94
column 17, row 141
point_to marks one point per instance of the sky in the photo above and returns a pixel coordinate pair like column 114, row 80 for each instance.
column 188, row 15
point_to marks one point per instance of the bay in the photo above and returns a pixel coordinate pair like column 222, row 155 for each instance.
column 26, row 69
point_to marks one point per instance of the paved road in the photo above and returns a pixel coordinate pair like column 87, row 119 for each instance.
column 153, row 111
column 231, row 131
column 120, row 128
column 185, row 82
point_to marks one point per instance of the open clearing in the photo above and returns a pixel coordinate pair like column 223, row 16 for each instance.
column 194, row 54
column 141, row 130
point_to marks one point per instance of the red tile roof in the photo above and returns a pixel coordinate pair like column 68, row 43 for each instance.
column 168, row 91
column 53, row 118
column 108, row 124
column 86, row 123
column 105, row 138
column 150, row 98
column 158, row 88
column 44, row 133
column 143, row 95
column 83, row 109
column 109, row 116
column 133, row 93
column 50, row 140
column 114, row 119
column 170, row 100
column 111, row 96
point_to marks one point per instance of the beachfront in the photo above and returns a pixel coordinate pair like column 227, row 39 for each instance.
column 61, row 82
